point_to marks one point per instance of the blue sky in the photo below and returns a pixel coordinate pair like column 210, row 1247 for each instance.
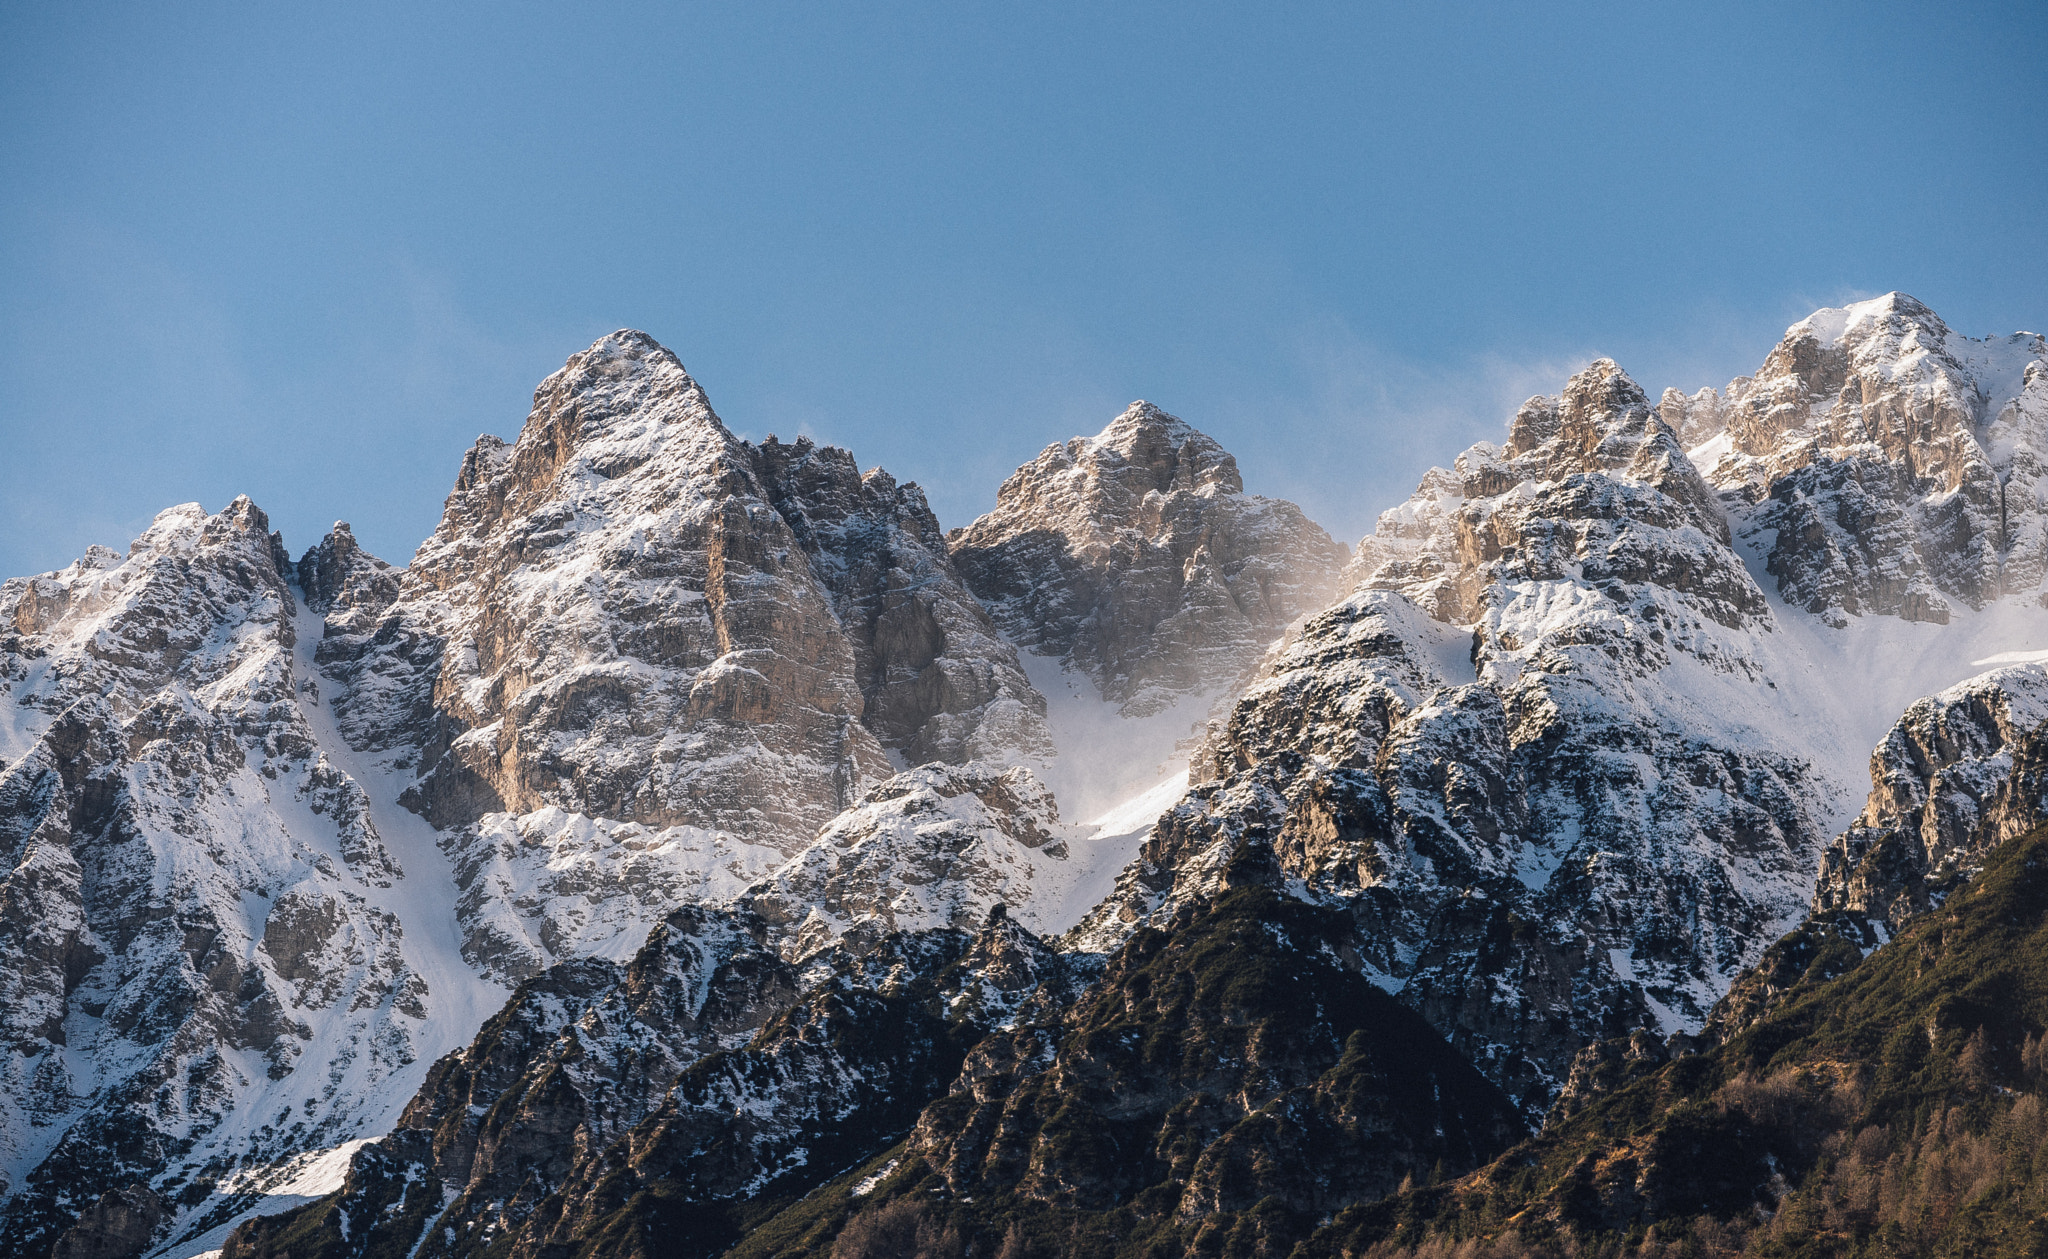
column 310, row 253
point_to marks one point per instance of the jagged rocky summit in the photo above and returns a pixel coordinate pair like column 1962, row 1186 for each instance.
column 759, row 794
column 634, row 632
column 1136, row 555
column 1885, row 464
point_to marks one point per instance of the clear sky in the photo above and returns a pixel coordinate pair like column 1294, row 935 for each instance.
column 310, row 252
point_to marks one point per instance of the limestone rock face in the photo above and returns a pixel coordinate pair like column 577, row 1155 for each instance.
column 937, row 681
column 628, row 628
column 1961, row 772
column 199, row 916
column 1136, row 557
column 642, row 661
column 1889, row 465
column 1591, row 484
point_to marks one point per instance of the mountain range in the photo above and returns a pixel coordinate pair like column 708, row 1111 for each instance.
column 1627, row 848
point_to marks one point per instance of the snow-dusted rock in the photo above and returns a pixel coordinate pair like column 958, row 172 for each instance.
column 641, row 660
column 202, row 959
column 1559, row 753
column 553, row 885
column 1888, row 465
column 1136, row 556
column 938, row 846
column 626, row 627
column 937, row 682
column 1961, row 772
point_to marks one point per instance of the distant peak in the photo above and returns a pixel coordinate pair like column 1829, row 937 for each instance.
column 1834, row 324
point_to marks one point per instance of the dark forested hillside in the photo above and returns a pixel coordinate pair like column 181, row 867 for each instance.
column 1895, row 1109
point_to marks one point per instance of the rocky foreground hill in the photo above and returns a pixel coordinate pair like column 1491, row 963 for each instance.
column 696, row 849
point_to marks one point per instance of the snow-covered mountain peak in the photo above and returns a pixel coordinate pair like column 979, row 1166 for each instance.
column 1592, row 487
column 200, row 599
column 613, row 598
column 205, row 922
column 1607, row 725
column 621, row 387
column 1892, row 314
column 642, row 660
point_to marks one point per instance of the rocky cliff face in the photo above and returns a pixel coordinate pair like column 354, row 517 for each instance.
column 642, row 661
column 936, row 680
column 939, row 846
column 200, row 921
column 627, row 628
column 1962, row 772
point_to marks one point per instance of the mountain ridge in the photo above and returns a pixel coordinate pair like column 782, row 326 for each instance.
column 1562, row 767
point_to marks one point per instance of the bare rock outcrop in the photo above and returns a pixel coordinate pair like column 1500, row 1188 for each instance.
column 1961, row 772
column 1889, row 465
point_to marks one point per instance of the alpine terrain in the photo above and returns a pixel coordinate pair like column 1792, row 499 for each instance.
column 1634, row 846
